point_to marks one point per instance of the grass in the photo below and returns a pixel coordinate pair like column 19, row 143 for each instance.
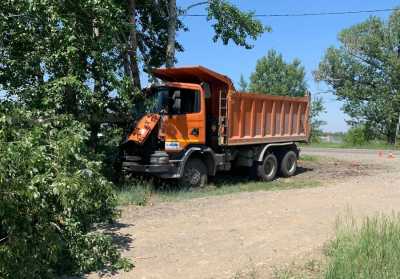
column 309, row 158
column 369, row 145
column 230, row 188
column 370, row 250
column 139, row 192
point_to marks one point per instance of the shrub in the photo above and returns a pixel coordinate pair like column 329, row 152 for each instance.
column 356, row 136
column 51, row 199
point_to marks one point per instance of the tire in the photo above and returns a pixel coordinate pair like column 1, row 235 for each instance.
column 194, row 174
column 267, row 170
column 288, row 165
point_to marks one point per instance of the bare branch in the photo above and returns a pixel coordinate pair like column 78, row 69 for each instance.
column 195, row 5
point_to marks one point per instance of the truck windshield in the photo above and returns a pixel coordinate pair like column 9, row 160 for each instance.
column 168, row 100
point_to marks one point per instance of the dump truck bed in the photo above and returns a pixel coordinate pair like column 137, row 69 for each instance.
column 260, row 118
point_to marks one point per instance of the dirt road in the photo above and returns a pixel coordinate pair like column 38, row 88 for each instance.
column 215, row 237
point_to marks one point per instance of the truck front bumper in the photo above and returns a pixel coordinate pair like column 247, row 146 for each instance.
column 171, row 170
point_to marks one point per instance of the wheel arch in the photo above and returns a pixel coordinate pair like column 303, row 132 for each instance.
column 206, row 154
column 276, row 148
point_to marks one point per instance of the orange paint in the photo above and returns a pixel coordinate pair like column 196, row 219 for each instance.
column 143, row 128
column 261, row 118
column 179, row 131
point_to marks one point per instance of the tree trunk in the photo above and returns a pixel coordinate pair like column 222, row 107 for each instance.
column 133, row 45
column 170, row 55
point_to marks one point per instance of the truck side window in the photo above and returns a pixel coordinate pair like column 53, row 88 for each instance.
column 189, row 101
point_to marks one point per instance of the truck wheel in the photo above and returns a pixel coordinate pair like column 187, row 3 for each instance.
column 266, row 171
column 288, row 164
column 194, row 174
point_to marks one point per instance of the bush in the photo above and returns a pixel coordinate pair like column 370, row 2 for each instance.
column 52, row 197
column 370, row 251
column 356, row 136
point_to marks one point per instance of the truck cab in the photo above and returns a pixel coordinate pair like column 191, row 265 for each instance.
column 183, row 132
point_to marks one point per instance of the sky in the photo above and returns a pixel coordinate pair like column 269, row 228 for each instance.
column 305, row 38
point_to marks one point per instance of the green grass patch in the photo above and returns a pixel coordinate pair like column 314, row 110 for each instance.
column 371, row 250
column 139, row 193
column 370, row 145
column 135, row 192
column 366, row 250
column 229, row 188
column 309, row 158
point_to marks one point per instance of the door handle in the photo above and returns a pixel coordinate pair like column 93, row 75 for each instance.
column 195, row 132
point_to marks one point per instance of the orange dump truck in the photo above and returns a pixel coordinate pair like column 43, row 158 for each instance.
column 195, row 124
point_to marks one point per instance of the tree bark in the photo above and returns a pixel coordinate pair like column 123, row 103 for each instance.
column 170, row 54
column 133, row 45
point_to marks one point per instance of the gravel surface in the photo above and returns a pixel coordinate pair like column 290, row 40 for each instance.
column 215, row 237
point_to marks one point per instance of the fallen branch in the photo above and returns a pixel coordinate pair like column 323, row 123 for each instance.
column 3, row 239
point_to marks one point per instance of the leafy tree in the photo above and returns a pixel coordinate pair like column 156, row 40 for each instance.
column 64, row 55
column 51, row 198
column 317, row 108
column 228, row 21
column 364, row 73
column 274, row 76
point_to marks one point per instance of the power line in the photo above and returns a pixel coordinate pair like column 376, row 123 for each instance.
column 311, row 14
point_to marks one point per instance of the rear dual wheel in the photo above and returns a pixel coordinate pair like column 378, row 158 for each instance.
column 288, row 165
column 269, row 167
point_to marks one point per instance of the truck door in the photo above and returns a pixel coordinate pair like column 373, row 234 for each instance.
column 184, row 122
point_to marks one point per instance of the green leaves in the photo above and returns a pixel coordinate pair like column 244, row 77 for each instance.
column 364, row 73
column 276, row 77
column 52, row 198
column 230, row 23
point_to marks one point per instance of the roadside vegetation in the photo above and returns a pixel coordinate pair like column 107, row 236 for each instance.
column 378, row 145
column 141, row 192
column 359, row 251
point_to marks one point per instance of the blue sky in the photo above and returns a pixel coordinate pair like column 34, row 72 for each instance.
column 305, row 38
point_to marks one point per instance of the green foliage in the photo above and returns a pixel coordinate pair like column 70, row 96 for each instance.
column 52, row 198
column 317, row 108
column 276, row 77
column 243, row 85
column 369, row 251
column 364, row 73
column 230, row 23
column 356, row 136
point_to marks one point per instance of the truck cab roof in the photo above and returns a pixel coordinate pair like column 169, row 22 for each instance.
column 194, row 74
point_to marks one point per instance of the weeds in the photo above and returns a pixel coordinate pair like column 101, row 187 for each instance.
column 137, row 192
column 371, row 250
